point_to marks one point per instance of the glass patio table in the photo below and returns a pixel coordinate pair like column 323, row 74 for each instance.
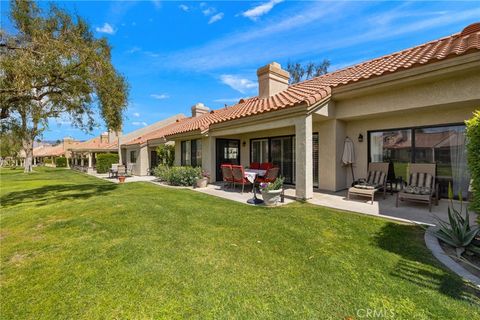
column 252, row 175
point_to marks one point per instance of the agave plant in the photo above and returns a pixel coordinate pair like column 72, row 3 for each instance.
column 457, row 232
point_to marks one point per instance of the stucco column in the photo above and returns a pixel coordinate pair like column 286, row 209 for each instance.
column 89, row 159
column 81, row 160
column 143, row 161
column 303, row 158
column 34, row 161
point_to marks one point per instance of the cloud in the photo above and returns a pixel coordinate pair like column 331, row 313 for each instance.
column 209, row 11
column 215, row 18
column 242, row 85
column 139, row 123
column 255, row 12
column 160, row 96
column 184, row 7
column 136, row 114
column 134, row 49
column 106, row 28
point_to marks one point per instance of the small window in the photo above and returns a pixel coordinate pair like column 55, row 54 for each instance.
column 133, row 156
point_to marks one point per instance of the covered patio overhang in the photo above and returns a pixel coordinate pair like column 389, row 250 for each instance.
column 85, row 159
column 286, row 137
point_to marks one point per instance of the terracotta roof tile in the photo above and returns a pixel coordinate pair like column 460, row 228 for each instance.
column 316, row 89
column 95, row 144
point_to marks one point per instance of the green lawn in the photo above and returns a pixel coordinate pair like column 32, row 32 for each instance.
column 73, row 246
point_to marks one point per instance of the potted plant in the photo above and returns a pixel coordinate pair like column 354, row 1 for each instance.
column 271, row 191
column 203, row 180
column 121, row 179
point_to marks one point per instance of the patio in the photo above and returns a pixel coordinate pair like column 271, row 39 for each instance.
column 406, row 212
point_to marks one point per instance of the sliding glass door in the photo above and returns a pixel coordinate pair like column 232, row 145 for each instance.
column 282, row 155
column 443, row 145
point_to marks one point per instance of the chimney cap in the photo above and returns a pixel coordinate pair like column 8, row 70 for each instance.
column 275, row 68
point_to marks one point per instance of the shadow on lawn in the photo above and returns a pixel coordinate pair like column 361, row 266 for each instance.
column 415, row 263
column 51, row 194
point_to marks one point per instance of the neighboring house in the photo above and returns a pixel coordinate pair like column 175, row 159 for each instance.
column 139, row 147
column 428, row 89
column 46, row 151
column 84, row 154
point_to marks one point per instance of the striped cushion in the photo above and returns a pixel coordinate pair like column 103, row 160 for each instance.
column 422, row 180
column 376, row 178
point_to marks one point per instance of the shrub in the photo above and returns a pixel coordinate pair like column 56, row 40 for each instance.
column 178, row 176
column 61, row 162
column 166, row 154
column 47, row 160
column 473, row 157
column 105, row 161
column 275, row 185
column 457, row 232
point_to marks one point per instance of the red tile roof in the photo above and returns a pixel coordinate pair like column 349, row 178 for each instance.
column 48, row 151
column 312, row 91
column 95, row 144
column 155, row 134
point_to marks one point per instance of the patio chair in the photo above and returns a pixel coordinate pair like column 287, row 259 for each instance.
column 376, row 180
column 266, row 166
column 255, row 165
column 121, row 170
column 421, row 185
column 113, row 172
column 270, row 176
column 130, row 167
column 239, row 177
column 227, row 174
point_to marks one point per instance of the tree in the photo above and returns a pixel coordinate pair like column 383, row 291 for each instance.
column 53, row 66
column 299, row 72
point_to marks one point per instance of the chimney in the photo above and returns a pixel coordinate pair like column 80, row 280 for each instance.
column 113, row 136
column 67, row 141
column 272, row 79
column 198, row 109
column 104, row 137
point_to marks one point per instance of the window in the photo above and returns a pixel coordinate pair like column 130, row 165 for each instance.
column 191, row 153
column 133, row 156
column 393, row 145
column 443, row 145
column 259, row 152
column 278, row 150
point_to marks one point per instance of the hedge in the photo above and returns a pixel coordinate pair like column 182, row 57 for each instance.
column 105, row 161
column 61, row 162
column 473, row 157
column 178, row 176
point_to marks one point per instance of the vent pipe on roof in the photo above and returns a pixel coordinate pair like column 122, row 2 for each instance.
column 272, row 79
column 198, row 109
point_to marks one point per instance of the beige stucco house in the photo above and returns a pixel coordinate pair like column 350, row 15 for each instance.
column 391, row 107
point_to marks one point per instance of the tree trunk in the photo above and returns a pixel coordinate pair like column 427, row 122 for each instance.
column 28, row 148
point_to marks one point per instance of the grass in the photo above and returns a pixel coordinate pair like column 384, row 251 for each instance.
column 73, row 246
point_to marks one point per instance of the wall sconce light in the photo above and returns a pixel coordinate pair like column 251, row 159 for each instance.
column 360, row 137
column 244, row 143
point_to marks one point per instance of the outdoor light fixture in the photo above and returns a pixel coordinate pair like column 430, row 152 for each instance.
column 360, row 137
column 244, row 143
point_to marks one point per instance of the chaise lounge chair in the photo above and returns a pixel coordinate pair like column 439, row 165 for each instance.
column 376, row 181
column 421, row 185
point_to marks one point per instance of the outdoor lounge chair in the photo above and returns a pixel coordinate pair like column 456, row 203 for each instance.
column 266, row 165
column 239, row 177
column 270, row 176
column 376, row 181
column 113, row 172
column 227, row 174
column 421, row 185
column 121, row 170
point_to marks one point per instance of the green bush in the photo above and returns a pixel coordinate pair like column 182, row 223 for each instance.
column 47, row 160
column 105, row 161
column 61, row 162
column 166, row 154
column 473, row 156
column 178, row 176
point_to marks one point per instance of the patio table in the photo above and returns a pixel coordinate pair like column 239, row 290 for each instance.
column 251, row 175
